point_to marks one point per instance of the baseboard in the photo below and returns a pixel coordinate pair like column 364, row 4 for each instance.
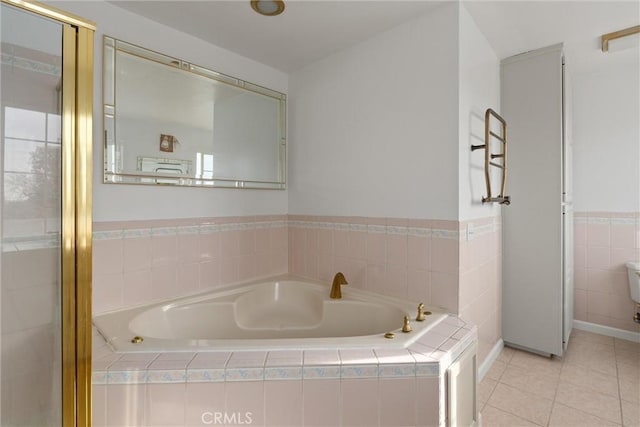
column 607, row 330
column 491, row 357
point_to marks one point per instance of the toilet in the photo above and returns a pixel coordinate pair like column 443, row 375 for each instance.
column 634, row 286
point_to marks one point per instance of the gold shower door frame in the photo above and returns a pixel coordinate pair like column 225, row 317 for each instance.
column 77, row 111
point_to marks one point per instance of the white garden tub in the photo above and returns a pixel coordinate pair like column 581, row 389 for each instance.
column 268, row 315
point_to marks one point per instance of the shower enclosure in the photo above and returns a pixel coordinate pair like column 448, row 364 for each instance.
column 45, row 218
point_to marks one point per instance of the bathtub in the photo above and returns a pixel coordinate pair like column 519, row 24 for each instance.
column 267, row 315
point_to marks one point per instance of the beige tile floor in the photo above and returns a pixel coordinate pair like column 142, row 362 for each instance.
column 596, row 383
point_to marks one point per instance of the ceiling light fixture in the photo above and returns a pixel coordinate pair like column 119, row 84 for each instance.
column 609, row 39
column 268, row 7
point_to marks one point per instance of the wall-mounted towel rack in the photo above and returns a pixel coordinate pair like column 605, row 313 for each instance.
column 488, row 157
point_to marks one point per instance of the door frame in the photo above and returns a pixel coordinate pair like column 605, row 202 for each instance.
column 76, row 239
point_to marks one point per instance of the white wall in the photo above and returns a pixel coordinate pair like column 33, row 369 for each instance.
column 374, row 128
column 480, row 283
column 479, row 89
column 606, row 140
column 132, row 202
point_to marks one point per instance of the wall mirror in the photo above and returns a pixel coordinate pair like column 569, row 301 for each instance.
column 167, row 121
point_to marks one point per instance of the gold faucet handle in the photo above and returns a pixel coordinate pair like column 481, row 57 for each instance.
column 421, row 313
column 407, row 326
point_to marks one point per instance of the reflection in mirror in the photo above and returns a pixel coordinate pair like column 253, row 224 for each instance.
column 167, row 121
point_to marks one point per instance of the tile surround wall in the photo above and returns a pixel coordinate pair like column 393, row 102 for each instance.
column 404, row 258
column 480, row 282
column 414, row 259
column 603, row 243
column 30, row 330
column 451, row 264
column 138, row 262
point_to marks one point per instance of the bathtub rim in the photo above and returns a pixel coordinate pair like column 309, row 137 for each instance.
column 355, row 342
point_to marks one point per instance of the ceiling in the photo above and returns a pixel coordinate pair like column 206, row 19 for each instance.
column 513, row 27
column 311, row 30
column 305, row 32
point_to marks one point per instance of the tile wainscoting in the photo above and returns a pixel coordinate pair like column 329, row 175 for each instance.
column 450, row 264
column 139, row 262
column 411, row 259
column 603, row 243
column 480, row 287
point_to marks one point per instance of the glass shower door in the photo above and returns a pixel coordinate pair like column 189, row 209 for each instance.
column 31, row 220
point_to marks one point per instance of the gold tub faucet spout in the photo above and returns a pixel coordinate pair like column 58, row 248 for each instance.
column 338, row 280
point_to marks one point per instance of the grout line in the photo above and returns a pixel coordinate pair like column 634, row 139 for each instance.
column 615, row 355
column 555, row 403
column 555, row 395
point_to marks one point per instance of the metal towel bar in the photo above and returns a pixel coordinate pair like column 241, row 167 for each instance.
column 488, row 134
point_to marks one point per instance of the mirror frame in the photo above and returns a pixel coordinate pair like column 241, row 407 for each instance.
column 113, row 176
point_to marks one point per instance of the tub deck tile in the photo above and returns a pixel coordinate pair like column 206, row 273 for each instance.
column 128, row 366
column 284, row 355
column 432, row 339
column 358, row 357
column 455, row 321
column 209, row 360
column 422, row 349
column 448, row 344
column 284, row 362
column 101, row 365
column 176, row 356
column 394, row 356
column 321, row 357
column 446, row 329
column 422, row 358
column 138, row 357
column 168, row 365
column 247, row 359
column 418, row 360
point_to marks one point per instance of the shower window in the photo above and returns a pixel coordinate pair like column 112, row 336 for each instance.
column 32, row 150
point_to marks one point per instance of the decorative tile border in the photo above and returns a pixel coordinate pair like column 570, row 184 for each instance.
column 418, row 360
column 607, row 218
column 320, row 372
column 13, row 244
column 396, row 371
column 126, row 377
column 427, row 370
column 185, row 230
column 283, row 373
column 166, row 376
column 377, row 229
column 31, row 243
column 359, row 371
column 205, row 375
column 244, row 374
column 31, row 65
